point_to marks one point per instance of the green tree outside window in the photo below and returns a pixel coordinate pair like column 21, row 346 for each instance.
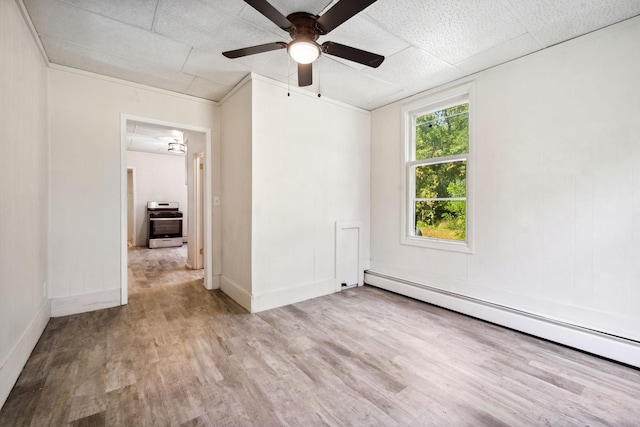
column 440, row 181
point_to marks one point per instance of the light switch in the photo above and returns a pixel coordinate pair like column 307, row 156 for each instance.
column 216, row 201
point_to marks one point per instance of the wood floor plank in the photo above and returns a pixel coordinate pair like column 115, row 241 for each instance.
column 179, row 355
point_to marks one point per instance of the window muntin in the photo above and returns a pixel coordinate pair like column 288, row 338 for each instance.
column 437, row 173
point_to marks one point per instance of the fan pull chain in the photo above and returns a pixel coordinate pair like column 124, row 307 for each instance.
column 318, row 67
column 288, row 75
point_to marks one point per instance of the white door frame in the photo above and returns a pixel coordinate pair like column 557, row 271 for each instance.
column 208, row 244
column 133, row 208
column 198, row 180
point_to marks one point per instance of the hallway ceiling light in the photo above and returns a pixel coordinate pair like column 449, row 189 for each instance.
column 177, row 147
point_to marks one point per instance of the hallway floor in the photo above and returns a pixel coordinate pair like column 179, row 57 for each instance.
column 156, row 268
column 178, row 354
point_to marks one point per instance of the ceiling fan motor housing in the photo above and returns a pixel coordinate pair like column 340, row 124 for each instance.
column 304, row 26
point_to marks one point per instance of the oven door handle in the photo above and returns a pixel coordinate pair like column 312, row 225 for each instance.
column 165, row 219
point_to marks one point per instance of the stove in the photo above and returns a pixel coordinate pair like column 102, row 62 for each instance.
column 165, row 224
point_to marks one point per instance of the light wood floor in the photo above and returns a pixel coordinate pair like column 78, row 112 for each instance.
column 181, row 355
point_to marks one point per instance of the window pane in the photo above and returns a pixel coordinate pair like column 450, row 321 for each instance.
column 443, row 133
column 442, row 219
column 442, row 180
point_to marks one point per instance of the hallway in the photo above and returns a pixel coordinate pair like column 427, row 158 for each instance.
column 154, row 268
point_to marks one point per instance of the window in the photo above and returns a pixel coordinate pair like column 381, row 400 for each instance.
column 436, row 166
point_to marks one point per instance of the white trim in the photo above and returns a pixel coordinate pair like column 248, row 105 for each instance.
column 235, row 292
column 12, row 366
column 208, row 220
column 434, row 101
column 133, row 183
column 32, row 30
column 609, row 346
column 198, row 205
column 65, row 306
column 292, row 295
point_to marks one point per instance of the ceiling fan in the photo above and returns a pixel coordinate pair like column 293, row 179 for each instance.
column 304, row 29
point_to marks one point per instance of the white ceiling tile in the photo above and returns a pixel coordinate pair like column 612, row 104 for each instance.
column 502, row 53
column 451, row 30
column 275, row 64
column 425, row 42
column 135, row 12
column 413, row 68
column 215, row 67
column 199, row 25
column 82, row 58
column 206, row 89
column 287, row 7
column 255, row 18
column 361, row 33
column 54, row 19
column 337, row 81
column 553, row 21
column 189, row 21
column 230, row 7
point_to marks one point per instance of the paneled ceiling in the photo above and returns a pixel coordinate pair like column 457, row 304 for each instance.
column 177, row 45
column 153, row 139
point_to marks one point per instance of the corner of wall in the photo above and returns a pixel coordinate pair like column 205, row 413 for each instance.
column 12, row 367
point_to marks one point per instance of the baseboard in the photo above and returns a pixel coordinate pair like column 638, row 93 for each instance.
column 616, row 348
column 285, row 296
column 236, row 293
column 12, row 367
column 75, row 304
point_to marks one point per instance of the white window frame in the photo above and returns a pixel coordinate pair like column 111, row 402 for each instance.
column 410, row 111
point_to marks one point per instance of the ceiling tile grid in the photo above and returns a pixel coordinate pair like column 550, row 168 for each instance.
column 58, row 20
column 554, row 21
column 82, row 58
column 178, row 45
column 139, row 13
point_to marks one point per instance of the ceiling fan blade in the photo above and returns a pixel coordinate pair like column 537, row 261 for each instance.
column 270, row 12
column 341, row 12
column 254, row 49
column 305, row 75
column 352, row 54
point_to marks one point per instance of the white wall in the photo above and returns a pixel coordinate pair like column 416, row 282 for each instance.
column 159, row 177
column 24, row 309
column 85, row 126
column 236, row 131
column 310, row 169
column 556, row 188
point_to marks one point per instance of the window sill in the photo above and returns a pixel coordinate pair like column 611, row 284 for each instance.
column 443, row 245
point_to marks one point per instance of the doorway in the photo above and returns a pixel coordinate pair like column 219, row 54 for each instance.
column 198, row 150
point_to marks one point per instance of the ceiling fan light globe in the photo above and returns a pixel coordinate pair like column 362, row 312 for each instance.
column 304, row 52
